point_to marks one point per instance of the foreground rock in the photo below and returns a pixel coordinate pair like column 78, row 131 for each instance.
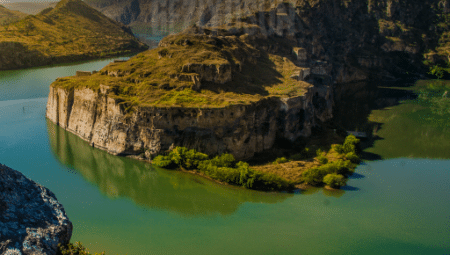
column 32, row 221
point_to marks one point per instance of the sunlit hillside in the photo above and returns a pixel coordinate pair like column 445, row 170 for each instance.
column 70, row 31
column 8, row 16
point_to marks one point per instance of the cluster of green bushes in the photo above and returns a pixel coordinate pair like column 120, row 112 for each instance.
column 74, row 249
column 334, row 173
column 223, row 168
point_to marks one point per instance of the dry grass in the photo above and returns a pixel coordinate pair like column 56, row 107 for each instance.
column 150, row 78
column 10, row 16
column 71, row 28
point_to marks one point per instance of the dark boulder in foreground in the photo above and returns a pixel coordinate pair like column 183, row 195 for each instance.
column 32, row 221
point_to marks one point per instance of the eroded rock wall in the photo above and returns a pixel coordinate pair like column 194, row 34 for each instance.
column 241, row 130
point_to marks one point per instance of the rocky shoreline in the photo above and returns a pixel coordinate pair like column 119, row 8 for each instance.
column 32, row 221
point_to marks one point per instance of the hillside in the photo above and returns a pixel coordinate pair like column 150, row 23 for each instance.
column 192, row 70
column 71, row 31
column 10, row 16
column 383, row 38
column 32, row 8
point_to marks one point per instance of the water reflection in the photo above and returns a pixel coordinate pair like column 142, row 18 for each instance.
column 396, row 123
column 174, row 191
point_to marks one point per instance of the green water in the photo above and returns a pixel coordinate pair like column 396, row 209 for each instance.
column 122, row 206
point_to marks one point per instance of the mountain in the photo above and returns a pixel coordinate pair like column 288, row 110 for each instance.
column 71, row 31
column 386, row 38
column 29, row 7
column 10, row 16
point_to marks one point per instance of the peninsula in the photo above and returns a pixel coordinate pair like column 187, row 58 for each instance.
column 71, row 31
column 237, row 89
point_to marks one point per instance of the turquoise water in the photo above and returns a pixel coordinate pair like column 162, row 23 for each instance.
column 123, row 206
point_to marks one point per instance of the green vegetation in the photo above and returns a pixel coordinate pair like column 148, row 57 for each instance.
column 70, row 31
column 439, row 71
column 434, row 95
column 191, row 70
column 223, row 168
column 281, row 160
column 74, row 249
column 342, row 167
column 281, row 174
column 334, row 180
column 321, row 157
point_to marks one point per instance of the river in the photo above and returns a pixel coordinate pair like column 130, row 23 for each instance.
column 397, row 205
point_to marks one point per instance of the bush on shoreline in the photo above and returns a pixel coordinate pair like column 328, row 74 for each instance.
column 334, row 180
column 74, row 249
column 336, row 171
column 223, row 168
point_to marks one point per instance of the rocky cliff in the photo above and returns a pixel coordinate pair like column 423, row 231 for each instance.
column 32, row 221
column 241, row 130
column 354, row 39
column 213, row 93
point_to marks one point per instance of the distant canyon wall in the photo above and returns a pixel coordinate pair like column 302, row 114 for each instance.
column 355, row 39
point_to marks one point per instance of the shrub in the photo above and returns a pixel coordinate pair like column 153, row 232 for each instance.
column 180, row 157
column 338, row 148
column 322, row 159
column 352, row 157
column 350, row 144
column 71, row 249
column 223, row 168
column 314, row 176
column 224, row 160
column 192, row 158
column 281, row 160
column 319, row 152
column 334, row 180
column 163, row 161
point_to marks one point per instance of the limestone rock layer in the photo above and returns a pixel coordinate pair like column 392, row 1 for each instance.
column 241, row 130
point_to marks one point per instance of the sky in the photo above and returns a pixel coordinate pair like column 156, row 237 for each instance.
column 16, row 1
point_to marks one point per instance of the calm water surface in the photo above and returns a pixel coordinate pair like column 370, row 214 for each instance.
column 395, row 206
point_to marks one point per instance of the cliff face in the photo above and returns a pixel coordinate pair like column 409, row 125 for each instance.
column 241, row 130
column 358, row 39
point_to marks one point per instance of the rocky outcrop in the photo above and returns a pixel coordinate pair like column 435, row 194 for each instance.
column 241, row 130
column 32, row 221
column 394, row 34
